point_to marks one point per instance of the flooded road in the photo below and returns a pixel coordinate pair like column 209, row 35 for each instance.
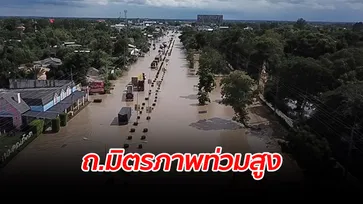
column 177, row 124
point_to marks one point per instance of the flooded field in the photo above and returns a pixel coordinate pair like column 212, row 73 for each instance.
column 177, row 124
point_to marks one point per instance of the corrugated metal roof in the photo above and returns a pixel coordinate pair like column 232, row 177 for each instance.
column 40, row 96
column 45, row 115
column 12, row 98
column 67, row 102
column 59, row 108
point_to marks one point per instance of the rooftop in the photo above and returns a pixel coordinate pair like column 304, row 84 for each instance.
column 40, row 96
column 49, row 61
column 31, row 83
column 59, row 108
column 17, row 102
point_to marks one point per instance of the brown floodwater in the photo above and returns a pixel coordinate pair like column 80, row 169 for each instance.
column 176, row 124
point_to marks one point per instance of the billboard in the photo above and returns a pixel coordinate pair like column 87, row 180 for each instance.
column 208, row 19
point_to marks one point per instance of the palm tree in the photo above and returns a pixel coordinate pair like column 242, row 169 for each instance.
column 37, row 71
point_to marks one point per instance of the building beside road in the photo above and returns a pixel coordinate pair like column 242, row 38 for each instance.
column 26, row 100
column 12, row 106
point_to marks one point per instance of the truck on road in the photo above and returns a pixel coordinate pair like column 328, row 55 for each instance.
column 154, row 64
column 124, row 115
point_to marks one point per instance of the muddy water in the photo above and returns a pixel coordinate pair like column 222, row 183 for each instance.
column 177, row 124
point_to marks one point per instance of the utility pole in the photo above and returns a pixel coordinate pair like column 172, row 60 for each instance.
column 350, row 148
column 238, row 58
column 126, row 21
column 71, row 74
column 276, row 95
column 126, row 39
column 119, row 17
column 351, row 143
column 260, row 68
column 72, row 85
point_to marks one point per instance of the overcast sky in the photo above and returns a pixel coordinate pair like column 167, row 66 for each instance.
column 313, row 10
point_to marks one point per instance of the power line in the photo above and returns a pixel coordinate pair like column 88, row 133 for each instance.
column 331, row 128
column 321, row 120
column 324, row 111
column 311, row 99
column 319, row 107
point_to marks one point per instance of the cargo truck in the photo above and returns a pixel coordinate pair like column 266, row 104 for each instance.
column 141, row 82
column 129, row 95
column 158, row 58
column 141, row 86
column 154, row 64
column 124, row 115
column 134, row 81
column 137, row 83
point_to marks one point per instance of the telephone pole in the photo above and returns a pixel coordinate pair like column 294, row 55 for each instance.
column 119, row 17
column 277, row 94
column 72, row 85
column 350, row 147
column 351, row 142
column 126, row 38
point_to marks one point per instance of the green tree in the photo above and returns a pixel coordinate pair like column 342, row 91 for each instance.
column 205, row 86
column 190, row 58
column 312, row 153
column 302, row 79
column 120, row 47
column 211, row 60
column 237, row 92
column 300, row 23
column 358, row 27
column 79, row 63
column 100, row 59
column 207, row 67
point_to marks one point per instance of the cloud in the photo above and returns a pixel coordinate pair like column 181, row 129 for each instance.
column 68, row 3
column 223, row 5
column 337, row 10
column 34, row 3
column 248, row 5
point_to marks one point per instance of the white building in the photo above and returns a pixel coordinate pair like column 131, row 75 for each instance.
column 118, row 26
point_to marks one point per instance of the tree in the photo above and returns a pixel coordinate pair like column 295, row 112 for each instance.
column 237, row 92
column 47, row 41
column 300, row 23
column 212, row 60
column 269, row 49
column 303, row 78
column 207, row 67
column 304, row 64
column 99, row 59
column 245, row 47
column 312, row 153
column 79, row 63
column 338, row 110
column 190, row 58
column 206, row 85
column 203, row 97
column 120, row 47
column 358, row 27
